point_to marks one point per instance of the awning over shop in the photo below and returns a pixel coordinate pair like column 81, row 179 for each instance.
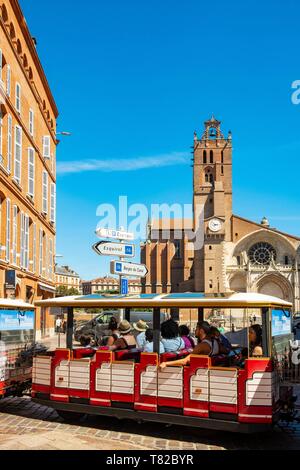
column 47, row 288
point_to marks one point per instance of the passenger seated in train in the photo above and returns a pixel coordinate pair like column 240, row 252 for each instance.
column 215, row 332
column 148, row 348
column 208, row 346
column 255, row 341
column 185, row 334
column 171, row 339
column 126, row 339
column 113, row 328
column 141, row 327
column 86, row 342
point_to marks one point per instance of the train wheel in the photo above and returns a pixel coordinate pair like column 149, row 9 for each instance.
column 69, row 416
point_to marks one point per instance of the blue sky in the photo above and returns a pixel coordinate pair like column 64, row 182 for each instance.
column 134, row 79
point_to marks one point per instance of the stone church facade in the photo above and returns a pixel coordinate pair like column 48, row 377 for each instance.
column 236, row 254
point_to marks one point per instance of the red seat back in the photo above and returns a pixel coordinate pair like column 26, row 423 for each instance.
column 81, row 353
column 128, row 354
column 166, row 357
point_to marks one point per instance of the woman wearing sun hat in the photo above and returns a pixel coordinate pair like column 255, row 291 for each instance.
column 141, row 326
column 126, row 340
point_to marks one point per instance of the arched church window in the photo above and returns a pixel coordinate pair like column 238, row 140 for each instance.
column 286, row 260
column 262, row 253
column 211, row 156
column 206, row 178
column 222, row 157
column 211, row 179
column 222, row 170
column 204, row 157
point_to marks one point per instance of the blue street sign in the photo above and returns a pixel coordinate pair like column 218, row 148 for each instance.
column 129, row 250
column 124, row 286
column 119, row 267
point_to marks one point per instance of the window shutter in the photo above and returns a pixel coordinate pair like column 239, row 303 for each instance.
column 26, row 243
column 41, row 253
column 8, row 80
column 31, row 122
column 18, row 153
column 15, row 232
column 45, row 192
column 8, row 228
column 18, row 97
column 46, row 146
column 53, row 203
column 31, row 172
column 22, row 239
column 9, row 143
column 1, row 132
column 34, row 249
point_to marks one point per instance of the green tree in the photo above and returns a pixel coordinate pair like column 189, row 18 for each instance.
column 64, row 291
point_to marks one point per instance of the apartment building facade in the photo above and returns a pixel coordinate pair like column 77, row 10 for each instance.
column 28, row 143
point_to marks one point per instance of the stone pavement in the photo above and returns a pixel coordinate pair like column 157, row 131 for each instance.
column 28, row 426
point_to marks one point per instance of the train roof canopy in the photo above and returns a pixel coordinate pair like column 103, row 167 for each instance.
column 186, row 300
column 15, row 303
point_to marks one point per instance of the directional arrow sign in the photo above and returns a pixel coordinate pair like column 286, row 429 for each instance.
column 114, row 249
column 114, row 234
column 128, row 269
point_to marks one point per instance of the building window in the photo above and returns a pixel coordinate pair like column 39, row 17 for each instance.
column 211, row 156
column 178, row 253
column 53, row 203
column 8, row 80
column 8, row 229
column 211, row 284
column 45, row 192
column 286, row 260
column 46, row 146
column 9, row 143
column 205, row 157
column 31, row 172
column 31, row 122
column 18, row 154
column 262, row 254
column 210, row 247
column 18, row 98
column 238, row 259
column 222, row 170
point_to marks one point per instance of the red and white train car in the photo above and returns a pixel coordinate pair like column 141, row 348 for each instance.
column 208, row 393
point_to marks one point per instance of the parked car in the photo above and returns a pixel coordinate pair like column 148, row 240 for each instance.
column 98, row 326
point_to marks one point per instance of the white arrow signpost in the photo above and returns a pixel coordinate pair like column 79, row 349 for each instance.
column 128, row 269
column 114, row 249
column 114, row 234
column 121, row 249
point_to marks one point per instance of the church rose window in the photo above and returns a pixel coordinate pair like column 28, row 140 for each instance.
column 262, row 254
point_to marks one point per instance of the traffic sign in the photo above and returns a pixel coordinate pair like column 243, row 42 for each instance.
column 114, row 234
column 124, row 286
column 128, row 269
column 114, row 249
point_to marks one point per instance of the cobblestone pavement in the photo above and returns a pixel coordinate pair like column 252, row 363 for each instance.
column 26, row 425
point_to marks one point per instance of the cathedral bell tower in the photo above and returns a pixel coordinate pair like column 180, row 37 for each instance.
column 213, row 196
